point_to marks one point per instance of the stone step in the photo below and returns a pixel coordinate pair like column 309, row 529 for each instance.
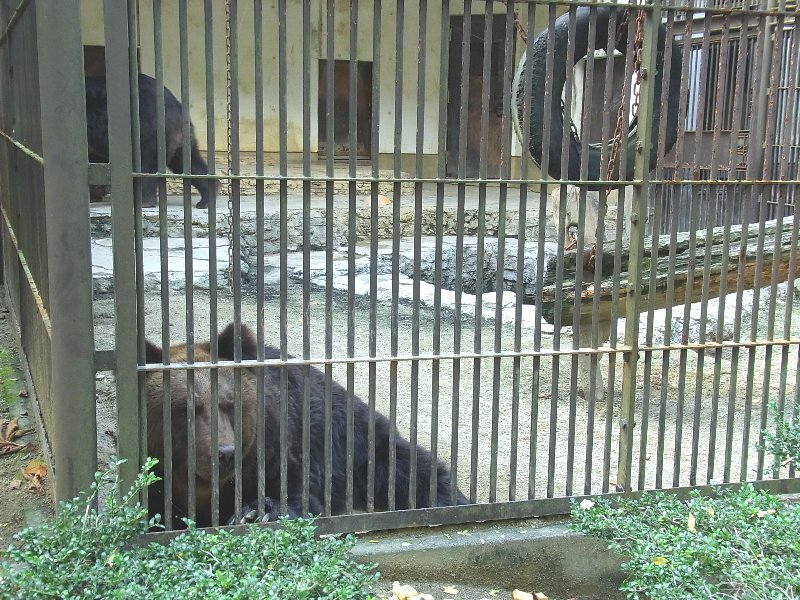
column 103, row 264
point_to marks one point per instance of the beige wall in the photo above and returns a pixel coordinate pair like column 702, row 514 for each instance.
column 93, row 34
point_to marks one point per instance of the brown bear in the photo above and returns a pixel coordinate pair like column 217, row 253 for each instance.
column 272, row 380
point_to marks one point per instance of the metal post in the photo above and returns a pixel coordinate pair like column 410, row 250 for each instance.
column 639, row 208
column 63, row 119
column 118, row 85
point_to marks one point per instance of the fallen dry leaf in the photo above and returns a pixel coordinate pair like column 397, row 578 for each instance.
column 403, row 592
column 14, row 484
column 35, row 472
column 540, row 596
column 520, row 595
column 764, row 513
column 23, row 394
column 10, row 431
column 449, row 589
column 690, row 523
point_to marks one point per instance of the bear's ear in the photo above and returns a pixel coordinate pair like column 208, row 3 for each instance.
column 153, row 353
column 225, row 343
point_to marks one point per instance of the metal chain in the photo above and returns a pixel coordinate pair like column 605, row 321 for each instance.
column 229, row 114
column 616, row 141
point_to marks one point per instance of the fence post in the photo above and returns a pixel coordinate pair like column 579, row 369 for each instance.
column 121, row 74
column 638, row 214
column 69, row 264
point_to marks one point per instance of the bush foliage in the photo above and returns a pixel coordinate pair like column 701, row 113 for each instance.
column 85, row 553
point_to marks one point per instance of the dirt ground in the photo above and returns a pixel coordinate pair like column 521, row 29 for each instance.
column 19, row 506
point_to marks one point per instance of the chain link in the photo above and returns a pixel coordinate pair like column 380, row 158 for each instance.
column 523, row 34
column 229, row 115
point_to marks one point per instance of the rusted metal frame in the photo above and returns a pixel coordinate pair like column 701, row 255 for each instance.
column 69, row 269
column 770, row 132
column 505, row 172
column 641, row 166
column 657, row 217
column 422, row 44
column 118, row 88
column 373, row 267
column 789, row 60
column 188, row 258
column 351, row 266
column 711, row 215
column 213, row 290
column 261, row 399
column 466, row 34
column 479, row 272
column 738, row 107
column 521, row 239
column 761, row 49
column 451, row 515
column 602, row 208
column 683, row 356
column 506, row 354
column 441, row 170
column 396, row 201
column 537, row 331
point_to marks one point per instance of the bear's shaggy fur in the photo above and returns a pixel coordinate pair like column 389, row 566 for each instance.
column 97, row 132
column 272, row 380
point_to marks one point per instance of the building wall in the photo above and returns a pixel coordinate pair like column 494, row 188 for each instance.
column 93, row 34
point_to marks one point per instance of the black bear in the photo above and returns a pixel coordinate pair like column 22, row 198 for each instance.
column 296, row 381
column 97, row 132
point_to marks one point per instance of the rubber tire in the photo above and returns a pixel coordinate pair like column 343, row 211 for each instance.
column 538, row 82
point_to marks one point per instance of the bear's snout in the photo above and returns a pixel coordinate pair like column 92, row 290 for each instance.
column 226, row 455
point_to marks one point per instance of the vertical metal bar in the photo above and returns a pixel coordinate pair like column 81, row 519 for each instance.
column 234, row 207
column 551, row 450
column 118, row 90
column 161, row 185
column 521, row 239
column 479, row 258
column 396, row 200
column 505, row 175
column 641, row 171
column 565, row 144
column 212, row 258
column 330, row 149
column 69, row 269
column 351, row 255
column 261, row 434
column 586, row 118
column 466, row 34
column 307, row 270
column 441, row 170
column 608, row 110
column 188, row 256
column 417, row 267
column 284, row 235
column 373, row 266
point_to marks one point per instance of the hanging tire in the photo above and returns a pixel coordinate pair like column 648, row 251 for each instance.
column 554, row 111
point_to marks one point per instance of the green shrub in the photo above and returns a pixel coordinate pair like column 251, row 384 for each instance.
column 85, row 553
column 784, row 444
column 737, row 544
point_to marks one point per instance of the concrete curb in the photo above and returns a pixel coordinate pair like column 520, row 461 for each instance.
column 524, row 555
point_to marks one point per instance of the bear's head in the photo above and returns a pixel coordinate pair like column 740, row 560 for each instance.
column 185, row 387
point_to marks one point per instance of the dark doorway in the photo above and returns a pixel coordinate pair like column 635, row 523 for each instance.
column 341, row 109
column 475, row 92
